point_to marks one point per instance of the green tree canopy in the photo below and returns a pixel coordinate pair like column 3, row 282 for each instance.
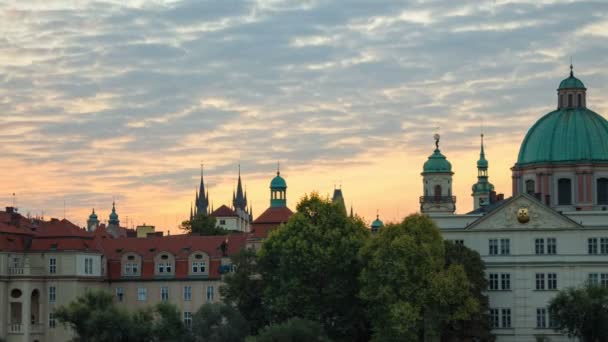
column 410, row 292
column 169, row 326
column 310, row 267
column 219, row 322
column 203, row 224
column 581, row 312
column 95, row 318
column 293, row 330
column 243, row 289
column 477, row 326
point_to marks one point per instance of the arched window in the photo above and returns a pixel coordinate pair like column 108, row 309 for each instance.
column 561, row 101
column 564, row 191
column 530, row 187
column 580, row 100
column 570, row 100
column 602, row 191
column 437, row 192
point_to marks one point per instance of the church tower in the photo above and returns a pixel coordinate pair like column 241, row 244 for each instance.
column 278, row 191
column 92, row 222
column 483, row 188
column 202, row 199
column 437, row 184
column 114, row 221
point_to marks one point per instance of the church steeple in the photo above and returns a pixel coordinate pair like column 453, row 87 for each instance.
column 482, row 189
column 278, row 191
column 92, row 222
column 114, row 221
column 437, row 183
column 202, row 198
column 239, row 200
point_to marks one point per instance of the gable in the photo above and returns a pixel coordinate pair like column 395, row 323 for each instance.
column 539, row 216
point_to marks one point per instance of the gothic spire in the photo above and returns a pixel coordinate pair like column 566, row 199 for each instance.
column 202, row 202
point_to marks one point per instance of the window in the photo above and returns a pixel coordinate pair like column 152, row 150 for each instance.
column 551, row 246
column 593, row 278
column 493, row 246
column 505, row 246
column 164, row 293
column 505, row 281
column 540, row 281
column 494, row 318
column 539, row 246
column 570, row 100
column 459, row 242
column 52, row 265
column 52, row 294
column 437, row 192
column 506, row 318
column 209, row 293
column 592, row 245
column 493, row 281
column 188, row 319
column 131, row 269
column 187, row 293
column 564, row 191
column 541, row 318
column 199, row 267
column 602, row 191
column 88, row 265
column 530, row 187
column 551, row 281
column 119, row 294
column 52, row 320
column 142, row 294
column 222, row 222
column 604, row 245
column 579, row 102
column 161, row 268
column 604, row 279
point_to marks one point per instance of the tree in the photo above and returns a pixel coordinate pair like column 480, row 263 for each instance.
column 410, row 292
column 169, row 326
column 310, row 267
column 95, row 318
column 293, row 330
column 478, row 325
column 581, row 312
column 243, row 289
column 203, row 224
column 219, row 323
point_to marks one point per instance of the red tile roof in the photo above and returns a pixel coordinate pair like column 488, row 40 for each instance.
column 6, row 229
column 178, row 245
column 224, row 211
column 274, row 215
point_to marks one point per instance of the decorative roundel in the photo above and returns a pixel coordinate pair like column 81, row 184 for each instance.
column 523, row 216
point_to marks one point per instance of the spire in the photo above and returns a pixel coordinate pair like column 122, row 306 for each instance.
column 191, row 213
column 571, row 68
column 483, row 188
column 202, row 196
column 278, row 168
column 351, row 211
column 240, row 200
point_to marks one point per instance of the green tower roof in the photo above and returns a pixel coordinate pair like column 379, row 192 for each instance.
column 278, row 182
column 437, row 163
column 571, row 82
column 93, row 216
column 566, row 135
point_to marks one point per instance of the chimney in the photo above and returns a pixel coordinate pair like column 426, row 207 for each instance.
column 492, row 197
column 500, row 197
column 10, row 210
column 548, row 199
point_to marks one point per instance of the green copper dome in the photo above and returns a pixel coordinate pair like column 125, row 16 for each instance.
column 93, row 216
column 566, row 135
column 278, row 182
column 571, row 83
column 437, row 163
column 377, row 224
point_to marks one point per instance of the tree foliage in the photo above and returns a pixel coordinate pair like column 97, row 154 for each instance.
column 243, row 289
column 293, row 330
column 581, row 312
column 310, row 269
column 219, row 322
column 410, row 292
column 203, row 224
column 477, row 326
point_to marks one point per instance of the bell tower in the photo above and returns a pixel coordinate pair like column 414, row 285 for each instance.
column 437, row 184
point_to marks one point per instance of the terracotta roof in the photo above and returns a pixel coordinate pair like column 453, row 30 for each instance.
column 224, row 211
column 274, row 215
column 59, row 228
column 261, row 230
column 178, row 245
column 65, row 244
column 6, row 229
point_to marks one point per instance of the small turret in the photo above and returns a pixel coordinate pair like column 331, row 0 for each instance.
column 483, row 188
column 92, row 222
column 114, row 221
column 278, row 191
column 377, row 224
column 437, row 183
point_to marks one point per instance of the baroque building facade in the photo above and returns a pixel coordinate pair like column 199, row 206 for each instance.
column 553, row 232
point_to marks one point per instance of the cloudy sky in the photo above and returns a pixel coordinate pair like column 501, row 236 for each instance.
column 125, row 99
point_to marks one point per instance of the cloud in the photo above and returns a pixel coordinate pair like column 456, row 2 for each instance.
column 127, row 97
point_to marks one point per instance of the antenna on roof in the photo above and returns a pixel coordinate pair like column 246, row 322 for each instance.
column 64, row 208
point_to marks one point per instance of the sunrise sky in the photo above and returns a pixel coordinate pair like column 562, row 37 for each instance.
column 125, row 99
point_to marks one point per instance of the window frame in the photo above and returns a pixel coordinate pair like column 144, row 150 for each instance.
column 142, row 294
column 52, row 265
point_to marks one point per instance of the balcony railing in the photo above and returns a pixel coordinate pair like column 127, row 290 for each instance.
column 437, row 199
column 15, row 328
column 25, row 271
column 37, row 328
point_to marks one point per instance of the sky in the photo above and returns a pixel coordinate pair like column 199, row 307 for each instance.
column 123, row 100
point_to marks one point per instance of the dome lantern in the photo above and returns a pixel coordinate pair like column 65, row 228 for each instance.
column 571, row 92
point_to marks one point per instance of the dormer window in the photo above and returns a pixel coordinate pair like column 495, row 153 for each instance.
column 164, row 264
column 130, row 264
column 198, row 264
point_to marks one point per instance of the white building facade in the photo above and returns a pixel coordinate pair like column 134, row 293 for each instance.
column 553, row 232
